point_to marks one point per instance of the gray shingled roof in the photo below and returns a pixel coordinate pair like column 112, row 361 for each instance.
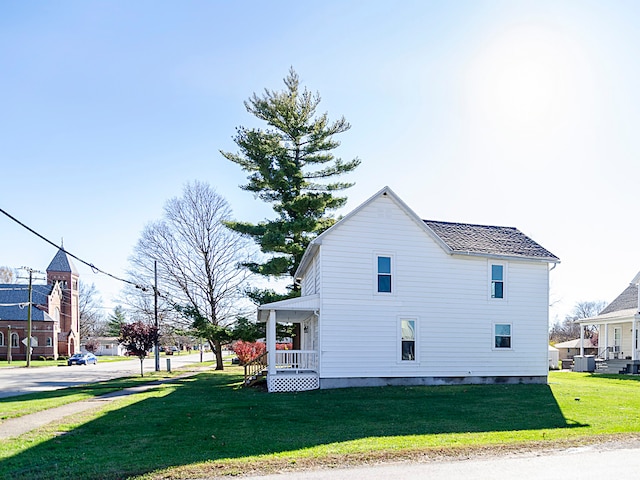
column 12, row 293
column 488, row 240
column 627, row 300
column 62, row 263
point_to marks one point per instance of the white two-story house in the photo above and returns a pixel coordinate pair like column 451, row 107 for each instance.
column 390, row 299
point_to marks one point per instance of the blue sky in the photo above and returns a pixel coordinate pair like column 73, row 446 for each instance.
column 509, row 113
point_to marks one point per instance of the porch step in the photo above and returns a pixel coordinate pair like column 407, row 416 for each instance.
column 618, row 367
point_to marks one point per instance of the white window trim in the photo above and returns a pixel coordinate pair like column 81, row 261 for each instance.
column 1, row 339
column 392, row 256
column 493, row 337
column 505, row 280
column 416, row 340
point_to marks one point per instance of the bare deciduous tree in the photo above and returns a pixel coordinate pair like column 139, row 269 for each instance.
column 91, row 318
column 198, row 260
column 7, row 275
column 568, row 329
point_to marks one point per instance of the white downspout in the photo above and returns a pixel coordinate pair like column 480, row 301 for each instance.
column 271, row 343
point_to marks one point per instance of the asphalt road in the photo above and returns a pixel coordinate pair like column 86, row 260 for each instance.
column 21, row 380
column 609, row 460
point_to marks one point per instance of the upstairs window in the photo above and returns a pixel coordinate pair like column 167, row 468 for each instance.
column 502, row 335
column 384, row 274
column 408, row 339
column 497, row 281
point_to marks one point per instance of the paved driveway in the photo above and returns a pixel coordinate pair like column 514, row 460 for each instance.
column 20, row 380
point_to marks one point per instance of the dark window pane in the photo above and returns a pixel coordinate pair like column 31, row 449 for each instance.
column 503, row 342
column 384, row 264
column 408, row 350
column 384, row 283
column 497, row 290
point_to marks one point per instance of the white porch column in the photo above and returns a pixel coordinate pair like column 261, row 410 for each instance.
column 634, row 328
column 606, row 341
column 581, row 339
column 271, row 342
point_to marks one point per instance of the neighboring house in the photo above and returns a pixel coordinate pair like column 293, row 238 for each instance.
column 571, row 348
column 617, row 324
column 54, row 314
column 554, row 358
column 108, row 346
column 390, row 299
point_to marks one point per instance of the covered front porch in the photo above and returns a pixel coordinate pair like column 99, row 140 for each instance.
column 618, row 345
column 297, row 369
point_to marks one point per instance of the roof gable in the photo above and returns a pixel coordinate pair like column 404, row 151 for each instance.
column 453, row 238
column 627, row 300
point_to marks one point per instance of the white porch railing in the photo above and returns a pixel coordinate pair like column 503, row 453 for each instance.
column 297, row 360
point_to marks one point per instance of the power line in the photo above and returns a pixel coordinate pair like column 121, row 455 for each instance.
column 90, row 265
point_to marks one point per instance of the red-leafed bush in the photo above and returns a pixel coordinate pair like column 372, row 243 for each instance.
column 247, row 351
column 284, row 346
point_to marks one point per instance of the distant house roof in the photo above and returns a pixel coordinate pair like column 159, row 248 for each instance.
column 627, row 300
column 576, row 344
column 62, row 263
column 488, row 240
column 14, row 298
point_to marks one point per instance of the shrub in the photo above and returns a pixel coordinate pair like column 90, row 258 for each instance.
column 247, row 351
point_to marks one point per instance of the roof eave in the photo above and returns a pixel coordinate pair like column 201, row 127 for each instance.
column 468, row 253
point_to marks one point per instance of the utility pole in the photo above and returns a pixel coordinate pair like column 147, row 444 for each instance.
column 9, row 345
column 31, row 272
column 155, row 310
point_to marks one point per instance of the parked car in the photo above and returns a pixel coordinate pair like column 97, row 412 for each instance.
column 82, row 359
column 170, row 350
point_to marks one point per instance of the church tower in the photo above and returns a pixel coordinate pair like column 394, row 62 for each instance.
column 61, row 269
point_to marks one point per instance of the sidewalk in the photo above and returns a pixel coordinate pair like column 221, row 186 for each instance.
column 14, row 427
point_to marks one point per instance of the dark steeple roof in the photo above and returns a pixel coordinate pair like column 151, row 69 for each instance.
column 62, row 263
column 488, row 240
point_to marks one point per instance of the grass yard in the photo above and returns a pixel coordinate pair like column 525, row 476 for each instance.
column 207, row 425
column 11, row 407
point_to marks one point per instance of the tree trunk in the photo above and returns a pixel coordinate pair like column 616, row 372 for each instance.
column 141, row 369
column 218, row 349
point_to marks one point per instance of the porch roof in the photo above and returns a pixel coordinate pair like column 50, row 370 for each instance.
column 626, row 315
column 291, row 310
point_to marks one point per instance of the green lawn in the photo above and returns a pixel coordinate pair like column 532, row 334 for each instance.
column 207, row 424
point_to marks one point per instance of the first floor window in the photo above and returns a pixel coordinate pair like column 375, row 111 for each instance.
column 49, row 342
column 14, row 340
column 408, row 328
column 1, row 338
column 502, row 335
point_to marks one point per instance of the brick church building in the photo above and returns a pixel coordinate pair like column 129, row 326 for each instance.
column 55, row 314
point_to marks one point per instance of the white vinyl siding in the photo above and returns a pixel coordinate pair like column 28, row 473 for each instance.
column 448, row 291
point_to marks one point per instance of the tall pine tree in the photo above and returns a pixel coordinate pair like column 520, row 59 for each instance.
column 292, row 167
